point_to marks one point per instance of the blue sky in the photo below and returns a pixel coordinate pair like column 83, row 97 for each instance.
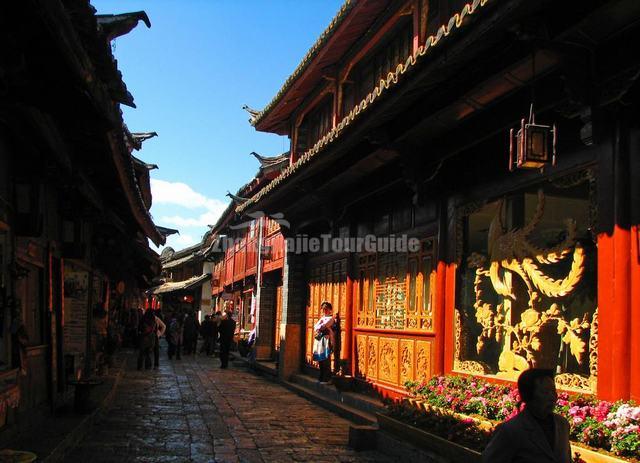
column 190, row 74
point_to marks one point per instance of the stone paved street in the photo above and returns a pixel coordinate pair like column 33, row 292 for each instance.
column 190, row 410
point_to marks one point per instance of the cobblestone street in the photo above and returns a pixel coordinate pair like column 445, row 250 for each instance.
column 191, row 410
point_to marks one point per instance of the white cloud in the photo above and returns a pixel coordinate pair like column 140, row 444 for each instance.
column 180, row 206
column 181, row 194
column 185, row 240
column 208, row 218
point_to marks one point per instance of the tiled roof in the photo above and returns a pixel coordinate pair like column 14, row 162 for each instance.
column 313, row 51
column 392, row 79
column 178, row 262
column 181, row 285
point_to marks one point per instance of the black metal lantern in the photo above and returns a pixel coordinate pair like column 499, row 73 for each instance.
column 535, row 145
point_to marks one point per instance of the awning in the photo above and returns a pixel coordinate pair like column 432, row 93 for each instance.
column 172, row 286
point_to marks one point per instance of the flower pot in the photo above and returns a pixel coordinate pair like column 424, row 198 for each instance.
column 451, row 451
column 413, row 401
column 593, row 456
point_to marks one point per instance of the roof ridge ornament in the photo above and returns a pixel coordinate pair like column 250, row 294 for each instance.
column 253, row 113
column 116, row 25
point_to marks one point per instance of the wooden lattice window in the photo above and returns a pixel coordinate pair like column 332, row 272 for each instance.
column 366, row 76
column 394, row 290
column 316, row 124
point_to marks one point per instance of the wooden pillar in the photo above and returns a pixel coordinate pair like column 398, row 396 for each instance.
column 634, row 368
column 634, row 274
column 617, row 267
column 347, row 349
column 449, row 311
column 266, row 317
column 294, row 301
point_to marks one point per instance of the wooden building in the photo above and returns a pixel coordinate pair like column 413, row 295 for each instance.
column 246, row 255
column 186, row 277
column 400, row 120
column 74, row 202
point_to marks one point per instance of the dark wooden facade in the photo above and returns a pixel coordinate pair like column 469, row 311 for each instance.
column 530, row 267
column 246, row 256
column 74, row 218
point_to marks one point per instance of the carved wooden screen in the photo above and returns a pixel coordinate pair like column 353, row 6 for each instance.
column 527, row 287
column 327, row 282
column 393, row 324
column 393, row 291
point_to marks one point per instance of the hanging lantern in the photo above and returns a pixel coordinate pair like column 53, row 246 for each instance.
column 534, row 145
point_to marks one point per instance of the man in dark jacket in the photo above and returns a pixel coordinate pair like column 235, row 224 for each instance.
column 227, row 329
column 536, row 434
column 190, row 334
column 206, row 329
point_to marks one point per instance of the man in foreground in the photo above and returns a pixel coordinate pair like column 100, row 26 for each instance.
column 536, row 434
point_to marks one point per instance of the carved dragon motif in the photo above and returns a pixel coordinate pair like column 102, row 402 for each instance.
column 511, row 253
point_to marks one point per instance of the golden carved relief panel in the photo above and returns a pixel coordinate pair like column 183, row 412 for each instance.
column 388, row 364
column 372, row 357
column 361, row 355
column 393, row 360
column 406, row 360
column 423, row 360
column 528, row 291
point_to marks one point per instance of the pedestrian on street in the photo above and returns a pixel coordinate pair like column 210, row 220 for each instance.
column 227, row 329
column 251, row 342
column 536, row 434
column 324, row 341
column 206, row 329
column 174, row 336
column 146, row 339
column 190, row 334
column 215, row 329
column 160, row 330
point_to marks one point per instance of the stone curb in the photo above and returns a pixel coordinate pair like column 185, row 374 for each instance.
column 72, row 439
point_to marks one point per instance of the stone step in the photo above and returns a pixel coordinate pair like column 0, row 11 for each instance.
column 346, row 411
column 358, row 400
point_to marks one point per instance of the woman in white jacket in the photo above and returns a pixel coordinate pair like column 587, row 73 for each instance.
column 324, row 341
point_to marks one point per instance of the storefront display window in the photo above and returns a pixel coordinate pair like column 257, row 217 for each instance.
column 527, row 286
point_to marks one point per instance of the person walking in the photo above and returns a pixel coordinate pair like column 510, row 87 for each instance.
column 146, row 339
column 206, row 329
column 536, row 434
column 215, row 330
column 324, row 341
column 174, row 336
column 160, row 330
column 227, row 329
column 190, row 333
